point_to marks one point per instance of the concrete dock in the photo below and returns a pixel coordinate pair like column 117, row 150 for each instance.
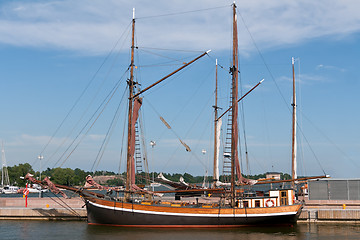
column 73, row 209
column 331, row 211
column 43, row 208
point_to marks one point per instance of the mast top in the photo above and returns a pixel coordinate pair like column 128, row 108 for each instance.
column 292, row 60
column 133, row 13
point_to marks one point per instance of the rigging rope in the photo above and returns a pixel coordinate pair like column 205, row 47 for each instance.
column 83, row 92
column 242, row 110
column 122, row 140
column 107, row 136
column 312, row 151
column 173, row 50
column 173, row 59
column 83, row 114
column 332, row 142
column 263, row 59
column 103, row 105
column 185, row 12
column 63, row 204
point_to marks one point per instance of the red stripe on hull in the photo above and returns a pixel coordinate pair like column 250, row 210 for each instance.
column 181, row 226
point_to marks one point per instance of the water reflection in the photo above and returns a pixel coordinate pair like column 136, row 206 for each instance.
column 252, row 233
column 72, row 230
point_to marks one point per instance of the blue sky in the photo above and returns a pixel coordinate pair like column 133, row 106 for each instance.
column 51, row 50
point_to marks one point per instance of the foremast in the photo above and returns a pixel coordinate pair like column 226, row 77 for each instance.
column 234, row 124
column 129, row 165
column 134, row 106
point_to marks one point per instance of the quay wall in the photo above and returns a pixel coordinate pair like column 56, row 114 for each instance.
column 330, row 215
column 43, row 208
column 47, row 202
column 43, row 213
column 331, row 210
column 73, row 209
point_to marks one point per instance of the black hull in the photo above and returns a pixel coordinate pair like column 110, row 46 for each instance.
column 100, row 215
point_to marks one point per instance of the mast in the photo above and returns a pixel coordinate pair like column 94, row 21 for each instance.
column 2, row 164
column 216, row 135
column 294, row 144
column 234, row 127
column 129, row 158
column 4, row 172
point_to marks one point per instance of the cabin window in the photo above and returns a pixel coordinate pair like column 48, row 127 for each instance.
column 283, row 197
column 257, row 203
column 246, row 204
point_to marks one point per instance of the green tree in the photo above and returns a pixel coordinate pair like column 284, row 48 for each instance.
column 80, row 176
column 18, row 171
column 115, row 182
column 63, row 176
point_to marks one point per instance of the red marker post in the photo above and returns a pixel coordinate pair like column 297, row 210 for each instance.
column 26, row 193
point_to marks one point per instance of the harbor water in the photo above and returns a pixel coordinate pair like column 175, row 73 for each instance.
column 22, row 229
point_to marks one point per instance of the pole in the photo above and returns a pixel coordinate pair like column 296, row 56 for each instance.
column 294, row 144
column 40, row 157
column 26, row 192
column 152, row 144
column 216, row 161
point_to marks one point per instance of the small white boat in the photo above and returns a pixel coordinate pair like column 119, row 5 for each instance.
column 9, row 189
column 5, row 182
column 35, row 188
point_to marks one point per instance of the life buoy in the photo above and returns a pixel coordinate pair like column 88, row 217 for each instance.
column 269, row 203
column 26, row 191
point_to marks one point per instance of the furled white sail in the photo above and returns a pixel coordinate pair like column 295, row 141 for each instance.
column 218, row 129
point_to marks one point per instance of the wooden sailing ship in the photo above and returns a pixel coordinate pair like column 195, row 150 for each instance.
column 228, row 207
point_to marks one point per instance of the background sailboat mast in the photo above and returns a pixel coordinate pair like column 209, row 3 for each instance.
column 294, row 147
column 2, row 164
column 234, row 127
column 4, row 172
column 130, row 115
column 216, row 159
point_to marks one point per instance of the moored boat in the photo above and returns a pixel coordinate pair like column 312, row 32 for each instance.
column 9, row 189
column 224, row 205
column 6, row 188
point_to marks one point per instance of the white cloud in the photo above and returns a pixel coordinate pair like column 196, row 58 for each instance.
column 96, row 137
column 93, row 27
column 328, row 67
column 305, row 78
column 29, row 140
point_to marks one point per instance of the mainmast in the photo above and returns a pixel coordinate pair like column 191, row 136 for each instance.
column 217, row 122
column 129, row 158
column 234, row 127
column 294, row 145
